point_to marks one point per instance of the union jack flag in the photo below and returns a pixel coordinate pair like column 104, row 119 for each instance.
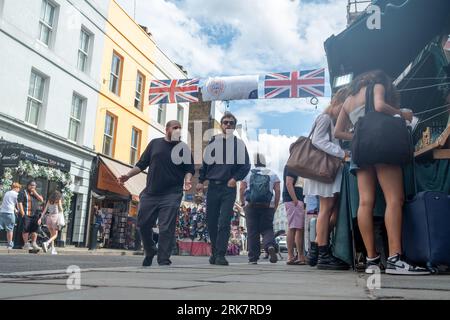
column 173, row 91
column 296, row 84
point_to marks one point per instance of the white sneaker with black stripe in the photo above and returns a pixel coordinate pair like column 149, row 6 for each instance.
column 397, row 265
column 373, row 265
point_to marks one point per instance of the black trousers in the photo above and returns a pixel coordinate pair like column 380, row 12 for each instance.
column 219, row 212
column 165, row 209
column 259, row 222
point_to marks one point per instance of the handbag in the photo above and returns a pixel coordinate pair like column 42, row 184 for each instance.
column 309, row 162
column 61, row 222
column 380, row 138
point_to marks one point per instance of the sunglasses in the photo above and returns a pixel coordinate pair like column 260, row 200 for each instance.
column 231, row 123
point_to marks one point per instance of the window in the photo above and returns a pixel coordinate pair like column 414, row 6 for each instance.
column 83, row 51
column 162, row 114
column 35, row 98
column 140, row 84
column 75, row 118
column 180, row 114
column 116, row 74
column 46, row 22
column 109, row 134
column 135, row 143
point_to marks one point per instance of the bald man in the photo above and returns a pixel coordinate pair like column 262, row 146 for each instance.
column 170, row 163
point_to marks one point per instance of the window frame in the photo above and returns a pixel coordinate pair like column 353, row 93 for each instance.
column 137, row 148
column 180, row 108
column 119, row 76
column 112, row 137
column 85, row 54
column 32, row 98
column 163, row 108
column 73, row 119
column 141, row 93
column 43, row 24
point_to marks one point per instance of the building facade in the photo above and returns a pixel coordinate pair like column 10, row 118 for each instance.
column 50, row 58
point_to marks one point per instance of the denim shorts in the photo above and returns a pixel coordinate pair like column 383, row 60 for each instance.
column 353, row 167
column 7, row 221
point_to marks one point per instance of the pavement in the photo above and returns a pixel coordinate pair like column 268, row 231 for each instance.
column 101, row 277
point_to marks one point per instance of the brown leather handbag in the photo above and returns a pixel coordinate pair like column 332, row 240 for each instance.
column 309, row 162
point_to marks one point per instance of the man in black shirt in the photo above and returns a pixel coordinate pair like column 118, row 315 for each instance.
column 29, row 204
column 226, row 161
column 169, row 162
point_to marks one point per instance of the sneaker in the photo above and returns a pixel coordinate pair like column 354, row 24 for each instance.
column 148, row 260
column 398, row 265
column 27, row 246
column 313, row 254
column 221, row 261
column 45, row 246
column 212, row 259
column 35, row 246
column 10, row 246
column 272, row 254
column 253, row 262
column 373, row 265
column 327, row 261
column 54, row 251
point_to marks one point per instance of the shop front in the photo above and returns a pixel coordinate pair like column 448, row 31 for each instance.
column 21, row 164
column 115, row 205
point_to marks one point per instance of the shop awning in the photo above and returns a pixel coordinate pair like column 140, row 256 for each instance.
column 407, row 26
column 111, row 170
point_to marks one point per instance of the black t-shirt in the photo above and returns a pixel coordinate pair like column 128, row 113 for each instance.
column 298, row 190
column 165, row 176
column 30, row 203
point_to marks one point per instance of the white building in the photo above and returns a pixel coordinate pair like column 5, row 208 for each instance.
column 50, row 61
column 280, row 221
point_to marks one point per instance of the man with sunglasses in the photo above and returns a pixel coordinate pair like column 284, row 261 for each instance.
column 226, row 161
column 170, row 163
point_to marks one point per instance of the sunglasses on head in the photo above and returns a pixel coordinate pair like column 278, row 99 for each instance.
column 231, row 123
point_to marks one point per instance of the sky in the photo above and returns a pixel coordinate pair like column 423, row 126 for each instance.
column 212, row 38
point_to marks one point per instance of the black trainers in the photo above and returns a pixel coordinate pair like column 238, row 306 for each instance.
column 313, row 254
column 272, row 254
column 148, row 260
column 212, row 260
column 327, row 261
column 221, row 261
column 253, row 262
column 373, row 265
column 398, row 265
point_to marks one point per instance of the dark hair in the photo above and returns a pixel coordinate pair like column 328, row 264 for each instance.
column 260, row 160
column 172, row 123
column 228, row 115
column 392, row 96
column 30, row 183
column 55, row 197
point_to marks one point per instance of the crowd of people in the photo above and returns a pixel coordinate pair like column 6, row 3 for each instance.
column 25, row 208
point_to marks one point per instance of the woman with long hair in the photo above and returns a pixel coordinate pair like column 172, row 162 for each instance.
column 323, row 139
column 54, row 208
column 390, row 177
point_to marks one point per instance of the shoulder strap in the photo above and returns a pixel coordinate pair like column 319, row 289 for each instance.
column 370, row 103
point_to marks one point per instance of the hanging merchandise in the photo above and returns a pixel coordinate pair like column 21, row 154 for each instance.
column 230, row 88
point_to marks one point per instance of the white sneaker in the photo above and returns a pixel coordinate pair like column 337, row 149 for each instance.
column 54, row 251
column 35, row 246
column 27, row 246
column 45, row 246
column 397, row 265
column 10, row 246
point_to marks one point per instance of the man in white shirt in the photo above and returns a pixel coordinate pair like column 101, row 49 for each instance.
column 260, row 194
column 8, row 213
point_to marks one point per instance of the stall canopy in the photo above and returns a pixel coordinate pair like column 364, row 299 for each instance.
column 108, row 172
column 407, row 26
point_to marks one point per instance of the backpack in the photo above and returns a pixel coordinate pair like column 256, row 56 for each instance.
column 259, row 189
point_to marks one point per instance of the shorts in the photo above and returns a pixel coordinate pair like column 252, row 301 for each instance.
column 7, row 221
column 353, row 167
column 295, row 215
column 30, row 224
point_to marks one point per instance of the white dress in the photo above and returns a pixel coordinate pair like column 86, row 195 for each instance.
column 321, row 139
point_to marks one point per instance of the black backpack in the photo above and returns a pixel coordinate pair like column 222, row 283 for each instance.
column 380, row 138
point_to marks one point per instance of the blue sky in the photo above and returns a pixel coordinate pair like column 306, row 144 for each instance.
column 235, row 37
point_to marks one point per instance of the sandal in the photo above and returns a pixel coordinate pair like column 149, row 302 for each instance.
column 300, row 263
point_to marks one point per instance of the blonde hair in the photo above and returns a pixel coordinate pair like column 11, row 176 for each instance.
column 338, row 98
column 16, row 185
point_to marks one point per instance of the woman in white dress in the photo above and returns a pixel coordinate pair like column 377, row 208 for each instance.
column 323, row 139
column 54, row 208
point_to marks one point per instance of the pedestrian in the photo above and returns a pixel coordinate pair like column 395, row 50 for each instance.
column 389, row 176
column 96, row 226
column 170, row 164
column 225, row 163
column 295, row 211
column 53, row 208
column 8, row 212
column 29, row 208
column 323, row 139
column 260, row 194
